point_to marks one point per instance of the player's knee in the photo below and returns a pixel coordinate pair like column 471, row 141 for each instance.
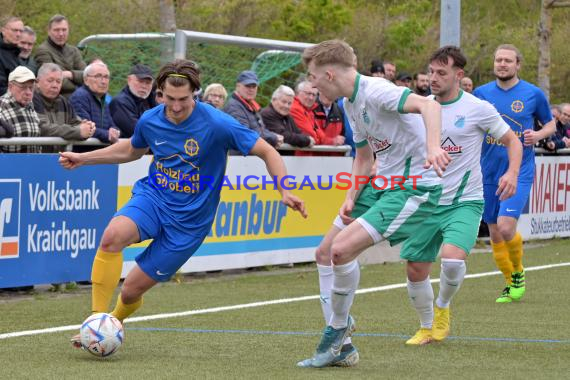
column 323, row 256
column 507, row 231
column 338, row 254
column 131, row 293
column 112, row 241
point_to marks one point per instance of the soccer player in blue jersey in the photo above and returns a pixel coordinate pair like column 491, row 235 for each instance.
column 520, row 104
column 173, row 206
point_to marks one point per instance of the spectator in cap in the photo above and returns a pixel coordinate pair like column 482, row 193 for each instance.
column 133, row 100
column 17, row 111
column 243, row 107
column 377, row 69
column 404, row 79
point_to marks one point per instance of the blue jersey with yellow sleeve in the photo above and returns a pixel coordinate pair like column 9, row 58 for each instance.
column 519, row 106
column 186, row 174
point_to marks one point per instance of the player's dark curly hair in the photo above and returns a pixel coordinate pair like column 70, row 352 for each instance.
column 443, row 54
column 178, row 74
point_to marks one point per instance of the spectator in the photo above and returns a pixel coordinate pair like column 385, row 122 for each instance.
column 390, row 71
column 276, row 117
column 348, row 134
column 466, row 84
column 216, row 95
column 17, row 110
column 55, row 111
column 555, row 110
column 12, row 31
column 133, row 100
column 377, row 69
column 561, row 138
column 330, row 120
column 56, row 49
column 404, row 80
column 421, row 84
column 26, row 45
column 243, row 107
column 302, row 110
column 88, row 101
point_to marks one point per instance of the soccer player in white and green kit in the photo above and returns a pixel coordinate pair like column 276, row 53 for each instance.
column 455, row 222
column 385, row 121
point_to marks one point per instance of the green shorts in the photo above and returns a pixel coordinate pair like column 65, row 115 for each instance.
column 394, row 215
column 456, row 224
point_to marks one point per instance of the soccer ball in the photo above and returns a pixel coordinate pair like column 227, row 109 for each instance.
column 102, row 334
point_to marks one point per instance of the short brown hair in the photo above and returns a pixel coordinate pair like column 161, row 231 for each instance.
column 10, row 19
column 56, row 18
column 443, row 54
column 511, row 48
column 178, row 74
column 330, row 52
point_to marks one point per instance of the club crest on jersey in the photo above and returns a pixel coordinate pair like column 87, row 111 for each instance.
column 191, row 147
column 459, row 121
column 364, row 115
column 450, row 147
column 517, row 106
column 379, row 145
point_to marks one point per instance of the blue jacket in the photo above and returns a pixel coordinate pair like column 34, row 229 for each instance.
column 88, row 106
column 126, row 109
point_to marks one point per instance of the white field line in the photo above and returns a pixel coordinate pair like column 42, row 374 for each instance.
column 253, row 304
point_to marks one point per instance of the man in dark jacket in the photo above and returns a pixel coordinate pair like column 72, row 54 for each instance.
column 56, row 49
column 88, row 101
column 561, row 138
column 9, row 51
column 55, row 111
column 277, row 119
column 133, row 100
column 26, row 45
column 243, row 107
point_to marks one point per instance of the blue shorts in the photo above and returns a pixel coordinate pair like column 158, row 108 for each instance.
column 511, row 207
column 171, row 246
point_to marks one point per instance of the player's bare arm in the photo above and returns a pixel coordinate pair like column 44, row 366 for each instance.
column 276, row 168
column 118, row 153
column 532, row 137
column 508, row 182
column 431, row 114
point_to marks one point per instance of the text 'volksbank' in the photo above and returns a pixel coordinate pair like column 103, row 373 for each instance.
column 60, row 236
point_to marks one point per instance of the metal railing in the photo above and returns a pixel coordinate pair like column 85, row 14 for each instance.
column 126, row 36
column 58, row 141
column 182, row 37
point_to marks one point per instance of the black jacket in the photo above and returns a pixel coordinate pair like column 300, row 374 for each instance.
column 9, row 60
column 285, row 126
column 126, row 109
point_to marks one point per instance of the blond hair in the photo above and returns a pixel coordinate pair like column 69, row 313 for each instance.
column 331, row 52
column 511, row 48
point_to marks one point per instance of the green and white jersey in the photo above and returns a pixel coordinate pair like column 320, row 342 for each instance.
column 465, row 120
column 376, row 115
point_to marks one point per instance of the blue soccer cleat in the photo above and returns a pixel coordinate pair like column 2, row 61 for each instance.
column 330, row 347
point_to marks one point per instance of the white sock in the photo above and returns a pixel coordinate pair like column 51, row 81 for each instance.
column 345, row 283
column 421, row 297
column 326, row 276
column 451, row 278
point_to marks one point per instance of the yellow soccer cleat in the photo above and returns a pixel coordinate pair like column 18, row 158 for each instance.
column 423, row 336
column 440, row 329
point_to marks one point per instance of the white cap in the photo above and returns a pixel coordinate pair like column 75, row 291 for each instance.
column 21, row 74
